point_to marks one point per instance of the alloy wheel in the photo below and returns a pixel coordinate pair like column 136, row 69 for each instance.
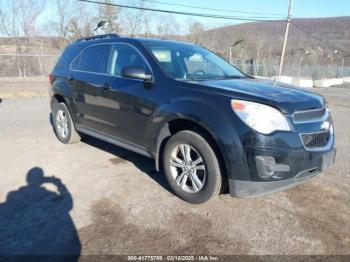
column 62, row 123
column 187, row 168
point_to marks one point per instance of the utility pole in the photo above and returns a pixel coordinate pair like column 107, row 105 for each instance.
column 285, row 37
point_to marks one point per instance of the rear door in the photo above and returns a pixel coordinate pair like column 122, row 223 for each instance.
column 88, row 79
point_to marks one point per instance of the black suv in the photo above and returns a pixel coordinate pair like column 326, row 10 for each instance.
column 205, row 123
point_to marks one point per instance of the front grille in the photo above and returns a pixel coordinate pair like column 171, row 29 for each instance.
column 315, row 140
column 309, row 115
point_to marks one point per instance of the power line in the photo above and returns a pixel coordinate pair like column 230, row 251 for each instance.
column 215, row 9
column 238, row 18
column 311, row 34
column 252, row 19
column 329, row 44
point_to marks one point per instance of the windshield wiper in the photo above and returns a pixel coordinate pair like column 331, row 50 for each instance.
column 233, row 77
column 219, row 77
column 203, row 78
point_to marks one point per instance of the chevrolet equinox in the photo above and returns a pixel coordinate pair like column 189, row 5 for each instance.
column 206, row 124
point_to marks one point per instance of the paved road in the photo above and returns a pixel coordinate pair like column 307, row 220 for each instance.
column 106, row 200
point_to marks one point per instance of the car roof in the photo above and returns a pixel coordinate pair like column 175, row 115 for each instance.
column 159, row 41
column 86, row 41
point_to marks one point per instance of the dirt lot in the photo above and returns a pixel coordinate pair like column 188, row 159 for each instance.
column 14, row 87
column 111, row 201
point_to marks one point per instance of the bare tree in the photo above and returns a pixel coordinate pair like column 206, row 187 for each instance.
column 147, row 21
column 167, row 26
column 194, row 31
column 81, row 23
column 64, row 16
column 19, row 19
column 72, row 20
column 61, row 22
column 133, row 18
column 110, row 14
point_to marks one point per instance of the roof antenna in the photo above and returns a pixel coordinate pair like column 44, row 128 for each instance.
column 100, row 24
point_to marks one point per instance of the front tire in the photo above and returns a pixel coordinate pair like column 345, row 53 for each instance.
column 63, row 124
column 192, row 167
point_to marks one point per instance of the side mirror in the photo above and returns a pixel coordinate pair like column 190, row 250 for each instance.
column 135, row 72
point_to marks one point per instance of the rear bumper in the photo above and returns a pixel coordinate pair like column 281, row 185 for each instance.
column 251, row 188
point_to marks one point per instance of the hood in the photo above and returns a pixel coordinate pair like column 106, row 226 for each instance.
column 285, row 97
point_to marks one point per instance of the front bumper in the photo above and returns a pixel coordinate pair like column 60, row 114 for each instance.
column 257, row 164
column 305, row 165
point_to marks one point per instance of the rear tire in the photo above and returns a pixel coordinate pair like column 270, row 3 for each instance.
column 63, row 124
column 192, row 167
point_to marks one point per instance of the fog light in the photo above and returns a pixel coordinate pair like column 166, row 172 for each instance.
column 267, row 166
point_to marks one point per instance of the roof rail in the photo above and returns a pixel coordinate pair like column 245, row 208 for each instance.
column 96, row 37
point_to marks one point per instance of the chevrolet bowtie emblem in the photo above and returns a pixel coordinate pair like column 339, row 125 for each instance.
column 325, row 125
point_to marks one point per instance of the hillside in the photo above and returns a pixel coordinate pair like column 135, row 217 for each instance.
column 264, row 39
column 258, row 53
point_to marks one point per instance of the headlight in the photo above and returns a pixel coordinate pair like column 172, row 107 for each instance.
column 262, row 118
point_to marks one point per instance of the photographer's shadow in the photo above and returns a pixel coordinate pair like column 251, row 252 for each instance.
column 36, row 221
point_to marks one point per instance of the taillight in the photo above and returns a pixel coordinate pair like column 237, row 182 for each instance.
column 51, row 79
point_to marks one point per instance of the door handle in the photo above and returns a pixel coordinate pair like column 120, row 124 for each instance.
column 106, row 86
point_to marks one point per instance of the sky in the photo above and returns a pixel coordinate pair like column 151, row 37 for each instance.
column 301, row 8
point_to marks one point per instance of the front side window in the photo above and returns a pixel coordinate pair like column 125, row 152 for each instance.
column 190, row 62
column 93, row 59
column 123, row 55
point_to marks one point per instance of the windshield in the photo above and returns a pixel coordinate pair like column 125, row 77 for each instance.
column 190, row 62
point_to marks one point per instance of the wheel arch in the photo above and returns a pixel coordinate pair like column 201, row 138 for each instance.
column 176, row 125
column 58, row 98
column 60, row 92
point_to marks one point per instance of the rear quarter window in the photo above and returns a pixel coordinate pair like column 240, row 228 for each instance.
column 66, row 58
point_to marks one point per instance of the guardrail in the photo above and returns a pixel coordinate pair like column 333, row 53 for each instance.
column 308, row 82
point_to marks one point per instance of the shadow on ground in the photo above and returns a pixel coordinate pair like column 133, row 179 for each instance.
column 36, row 221
column 145, row 164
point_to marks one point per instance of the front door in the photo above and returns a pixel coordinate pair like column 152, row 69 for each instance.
column 127, row 104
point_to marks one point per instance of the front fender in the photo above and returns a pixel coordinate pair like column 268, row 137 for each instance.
column 213, row 118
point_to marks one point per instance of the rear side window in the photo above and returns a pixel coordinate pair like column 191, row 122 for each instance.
column 93, row 59
column 66, row 58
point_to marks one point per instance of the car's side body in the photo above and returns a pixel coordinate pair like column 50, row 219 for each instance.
column 141, row 116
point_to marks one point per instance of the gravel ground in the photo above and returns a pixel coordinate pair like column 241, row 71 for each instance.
column 16, row 87
column 107, row 200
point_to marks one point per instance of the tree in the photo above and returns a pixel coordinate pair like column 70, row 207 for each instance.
column 194, row 31
column 19, row 19
column 62, row 23
column 110, row 14
column 133, row 18
column 167, row 26
column 147, row 21
column 81, row 23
